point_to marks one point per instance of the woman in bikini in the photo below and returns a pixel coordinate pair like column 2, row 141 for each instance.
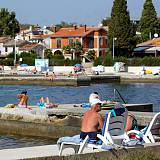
column 23, row 99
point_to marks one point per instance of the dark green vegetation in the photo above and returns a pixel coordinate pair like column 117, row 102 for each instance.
column 120, row 27
column 27, row 57
column 149, row 24
column 124, row 29
column 135, row 61
column 8, row 23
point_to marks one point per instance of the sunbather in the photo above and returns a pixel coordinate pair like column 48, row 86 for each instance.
column 46, row 103
column 23, row 99
column 92, row 121
column 95, row 95
column 131, row 123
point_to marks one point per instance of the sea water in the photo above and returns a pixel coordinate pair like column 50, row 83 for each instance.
column 132, row 93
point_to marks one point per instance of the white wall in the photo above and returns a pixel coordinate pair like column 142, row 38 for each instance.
column 2, row 49
column 135, row 69
column 63, row 69
column 66, row 69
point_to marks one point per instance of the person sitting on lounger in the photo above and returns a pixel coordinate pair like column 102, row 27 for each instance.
column 23, row 99
column 92, row 121
column 131, row 123
column 95, row 95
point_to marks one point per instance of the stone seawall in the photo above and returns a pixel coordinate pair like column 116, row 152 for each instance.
column 51, row 123
column 81, row 80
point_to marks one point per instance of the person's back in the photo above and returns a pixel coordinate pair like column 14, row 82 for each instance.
column 92, row 121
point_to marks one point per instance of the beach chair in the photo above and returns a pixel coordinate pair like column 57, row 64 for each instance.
column 76, row 145
column 146, row 134
column 79, row 145
column 114, row 128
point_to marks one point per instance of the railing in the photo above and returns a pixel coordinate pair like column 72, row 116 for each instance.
column 116, row 92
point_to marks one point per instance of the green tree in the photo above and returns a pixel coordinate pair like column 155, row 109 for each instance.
column 48, row 54
column 8, row 23
column 91, row 54
column 121, row 27
column 75, row 47
column 28, row 57
column 106, row 21
column 148, row 21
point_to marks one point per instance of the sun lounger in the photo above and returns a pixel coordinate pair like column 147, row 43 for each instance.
column 146, row 134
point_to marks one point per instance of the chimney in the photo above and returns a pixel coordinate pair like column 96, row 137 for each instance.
column 75, row 27
column 54, row 29
column 85, row 28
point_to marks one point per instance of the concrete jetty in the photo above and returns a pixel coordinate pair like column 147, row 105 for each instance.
column 52, row 123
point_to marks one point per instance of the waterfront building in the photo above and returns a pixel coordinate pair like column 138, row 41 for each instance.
column 91, row 38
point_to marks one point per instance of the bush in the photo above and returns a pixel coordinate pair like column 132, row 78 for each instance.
column 98, row 61
column 108, row 61
column 136, row 61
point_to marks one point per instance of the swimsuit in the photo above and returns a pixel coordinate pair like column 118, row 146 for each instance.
column 22, row 106
column 92, row 135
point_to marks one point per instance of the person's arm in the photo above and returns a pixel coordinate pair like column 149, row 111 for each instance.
column 129, row 123
column 101, row 121
column 19, row 96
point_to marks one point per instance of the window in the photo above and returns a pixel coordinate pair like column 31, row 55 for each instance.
column 6, row 49
column 101, row 41
column 70, row 41
column 91, row 42
column 58, row 43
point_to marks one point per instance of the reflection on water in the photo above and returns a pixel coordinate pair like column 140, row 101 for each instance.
column 8, row 142
column 132, row 93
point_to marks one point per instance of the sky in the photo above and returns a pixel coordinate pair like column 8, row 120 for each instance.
column 49, row 12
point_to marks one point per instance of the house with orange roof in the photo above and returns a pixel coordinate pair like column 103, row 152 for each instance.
column 148, row 48
column 91, row 38
column 38, row 48
column 30, row 33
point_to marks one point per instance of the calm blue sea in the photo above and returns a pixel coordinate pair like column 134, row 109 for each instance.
column 132, row 93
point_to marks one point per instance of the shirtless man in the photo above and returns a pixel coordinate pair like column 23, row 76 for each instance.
column 23, row 99
column 92, row 121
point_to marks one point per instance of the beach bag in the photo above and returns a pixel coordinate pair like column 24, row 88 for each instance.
column 132, row 142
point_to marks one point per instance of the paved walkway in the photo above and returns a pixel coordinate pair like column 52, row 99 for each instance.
column 35, row 152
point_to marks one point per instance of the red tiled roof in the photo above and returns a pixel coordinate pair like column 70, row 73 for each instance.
column 150, row 42
column 28, row 47
column 41, row 36
column 4, row 39
column 72, row 32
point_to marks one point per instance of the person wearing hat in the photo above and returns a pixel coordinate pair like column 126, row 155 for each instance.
column 23, row 99
column 92, row 121
column 95, row 95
